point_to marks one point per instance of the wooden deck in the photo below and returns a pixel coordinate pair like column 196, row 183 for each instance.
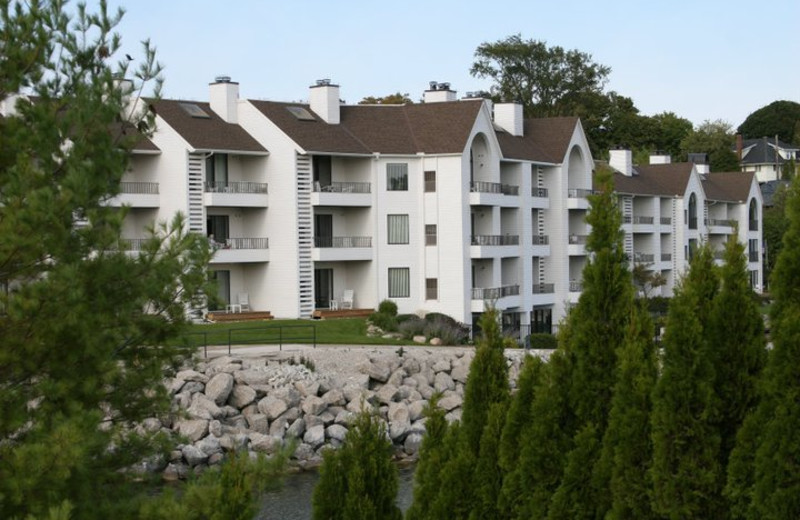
column 323, row 314
column 220, row 316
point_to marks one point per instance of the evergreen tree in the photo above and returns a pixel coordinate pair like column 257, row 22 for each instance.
column 85, row 327
column 597, row 328
column 776, row 476
column 512, row 438
column 627, row 447
column 685, row 471
column 488, row 475
column 738, row 348
column 432, row 454
column 359, row 480
column 546, row 440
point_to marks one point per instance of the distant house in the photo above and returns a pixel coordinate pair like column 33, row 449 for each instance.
column 766, row 157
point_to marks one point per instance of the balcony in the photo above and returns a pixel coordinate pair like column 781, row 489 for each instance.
column 489, row 246
column 577, row 198
column 331, row 249
column 644, row 258
column 495, row 240
column 576, row 244
column 494, row 293
column 342, row 194
column 240, row 250
column 666, row 257
column 575, row 286
column 543, row 288
column 717, row 225
column 666, row 221
column 493, row 194
column 133, row 244
column 541, row 240
column 541, row 199
column 136, row 195
column 236, row 194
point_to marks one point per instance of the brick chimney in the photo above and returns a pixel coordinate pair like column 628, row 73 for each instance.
column 622, row 161
column 438, row 92
column 223, row 97
column 739, row 147
column 323, row 97
column 508, row 116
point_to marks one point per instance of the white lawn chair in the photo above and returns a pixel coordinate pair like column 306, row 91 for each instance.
column 244, row 302
column 347, row 299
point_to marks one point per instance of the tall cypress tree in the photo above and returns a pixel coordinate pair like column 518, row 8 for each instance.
column 597, row 328
column 627, row 446
column 776, row 474
column 685, row 471
column 432, row 454
column 737, row 347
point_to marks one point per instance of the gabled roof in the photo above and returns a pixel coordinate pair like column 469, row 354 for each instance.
column 727, row 187
column 543, row 140
column 769, row 188
column 668, row 180
column 762, row 151
column 205, row 133
column 391, row 129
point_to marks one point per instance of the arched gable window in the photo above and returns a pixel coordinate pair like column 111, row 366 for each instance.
column 692, row 211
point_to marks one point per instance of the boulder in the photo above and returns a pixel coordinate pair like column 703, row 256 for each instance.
column 192, row 375
column 278, row 427
column 215, row 428
column 193, row 455
column 192, row 429
column 442, row 365
column 272, row 407
column 314, row 405
column 313, row 420
column 296, row 429
column 397, row 377
column 219, row 388
column 460, row 372
column 435, row 342
column 336, row 431
column 443, row 382
column 412, row 443
column 345, row 418
column 192, row 387
column 377, row 369
column 258, row 422
column 335, row 397
column 288, row 395
column 387, row 393
column 252, row 377
column 241, row 396
column 450, row 402
column 327, row 417
column 209, row 445
column 204, row 408
column 419, row 339
column 315, row 436
column 304, row 452
column 411, row 365
column 416, row 409
column 234, row 442
column 265, row 443
column 307, row 388
column 175, row 471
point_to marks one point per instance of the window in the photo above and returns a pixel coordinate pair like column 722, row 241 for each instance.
column 753, row 216
column 430, row 234
column 399, row 282
column 430, row 181
column 431, row 288
column 397, row 229
column 754, row 280
column 217, row 170
column 397, row 177
column 692, row 211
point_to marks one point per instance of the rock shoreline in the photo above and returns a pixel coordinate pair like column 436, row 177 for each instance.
column 260, row 403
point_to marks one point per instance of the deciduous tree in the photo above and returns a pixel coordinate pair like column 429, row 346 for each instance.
column 778, row 118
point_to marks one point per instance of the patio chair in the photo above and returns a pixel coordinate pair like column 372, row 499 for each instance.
column 244, row 302
column 347, row 299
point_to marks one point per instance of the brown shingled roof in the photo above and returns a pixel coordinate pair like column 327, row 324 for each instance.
column 210, row 133
column 366, row 129
column 655, row 179
column 728, row 187
column 543, row 140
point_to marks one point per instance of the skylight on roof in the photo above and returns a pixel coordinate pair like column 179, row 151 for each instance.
column 301, row 113
column 194, row 110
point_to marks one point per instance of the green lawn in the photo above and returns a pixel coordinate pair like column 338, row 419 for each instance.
column 334, row 331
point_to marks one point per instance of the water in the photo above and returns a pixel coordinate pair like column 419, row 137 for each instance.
column 293, row 500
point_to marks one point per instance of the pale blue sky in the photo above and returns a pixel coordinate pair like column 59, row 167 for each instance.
column 702, row 59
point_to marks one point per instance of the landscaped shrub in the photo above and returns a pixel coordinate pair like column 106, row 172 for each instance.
column 413, row 326
column 450, row 331
column 543, row 341
column 402, row 318
column 386, row 322
column 388, row 307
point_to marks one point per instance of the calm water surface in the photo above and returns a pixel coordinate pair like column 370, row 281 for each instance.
column 293, row 500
